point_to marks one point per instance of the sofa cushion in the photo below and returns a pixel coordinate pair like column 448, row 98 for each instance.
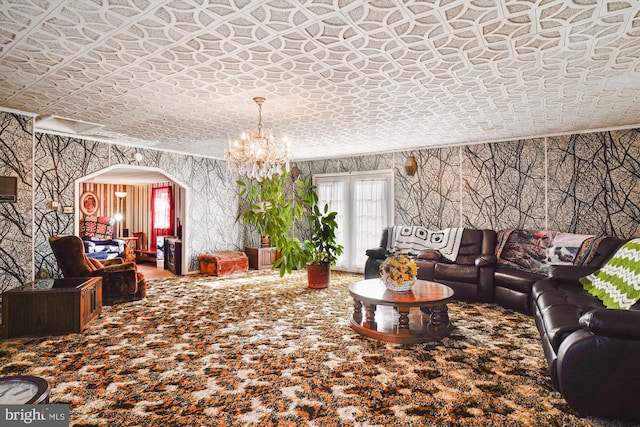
column 617, row 283
column 456, row 273
column 96, row 227
column 560, row 304
column 577, row 298
column 430, row 255
column 471, row 243
column 560, row 321
column 537, row 250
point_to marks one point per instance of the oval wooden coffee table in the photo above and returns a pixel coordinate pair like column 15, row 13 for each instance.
column 411, row 317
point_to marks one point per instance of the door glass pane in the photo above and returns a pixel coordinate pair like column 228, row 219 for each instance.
column 370, row 216
column 332, row 193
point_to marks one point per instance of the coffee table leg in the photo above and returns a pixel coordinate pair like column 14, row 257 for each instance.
column 370, row 317
column 357, row 311
column 403, row 321
column 439, row 319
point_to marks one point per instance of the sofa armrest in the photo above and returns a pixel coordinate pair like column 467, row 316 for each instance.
column 119, row 285
column 117, row 268
column 622, row 324
column 377, row 253
column 598, row 375
column 485, row 260
column 112, row 261
column 570, row 272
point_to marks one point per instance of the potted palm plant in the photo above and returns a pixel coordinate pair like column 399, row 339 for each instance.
column 266, row 207
column 270, row 207
column 273, row 210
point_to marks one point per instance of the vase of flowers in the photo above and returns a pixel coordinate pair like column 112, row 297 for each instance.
column 398, row 272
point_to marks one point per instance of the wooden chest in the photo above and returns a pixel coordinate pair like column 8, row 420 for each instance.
column 51, row 307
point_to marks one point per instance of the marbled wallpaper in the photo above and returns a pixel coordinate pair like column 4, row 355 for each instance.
column 503, row 185
column 16, row 219
column 585, row 183
column 60, row 161
column 594, row 182
column 431, row 197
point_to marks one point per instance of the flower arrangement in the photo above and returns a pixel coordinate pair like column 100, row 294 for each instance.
column 398, row 272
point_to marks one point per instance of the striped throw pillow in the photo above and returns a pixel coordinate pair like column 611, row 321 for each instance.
column 617, row 283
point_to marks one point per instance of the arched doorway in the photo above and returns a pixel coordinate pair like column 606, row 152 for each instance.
column 128, row 175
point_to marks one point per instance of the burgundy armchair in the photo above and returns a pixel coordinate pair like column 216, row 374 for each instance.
column 121, row 281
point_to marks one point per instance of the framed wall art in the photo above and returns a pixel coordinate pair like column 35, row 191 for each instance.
column 89, row 203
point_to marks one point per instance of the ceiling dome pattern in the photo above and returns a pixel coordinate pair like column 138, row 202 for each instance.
column 340, row 78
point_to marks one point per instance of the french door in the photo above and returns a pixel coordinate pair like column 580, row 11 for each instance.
column 364, row 205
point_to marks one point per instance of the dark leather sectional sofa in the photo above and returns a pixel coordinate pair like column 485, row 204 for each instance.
column 592, row 352
column 470, row 276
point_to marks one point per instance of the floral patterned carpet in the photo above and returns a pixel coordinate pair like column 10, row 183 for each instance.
column 256, row 349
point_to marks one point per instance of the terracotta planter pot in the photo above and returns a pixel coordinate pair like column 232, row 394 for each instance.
column 318, row 275
column 264, row 242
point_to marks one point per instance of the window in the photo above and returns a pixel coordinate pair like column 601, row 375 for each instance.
column 161, row 213
column 364, row 203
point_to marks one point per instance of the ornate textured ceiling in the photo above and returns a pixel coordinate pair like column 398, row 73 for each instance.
column 340, row 77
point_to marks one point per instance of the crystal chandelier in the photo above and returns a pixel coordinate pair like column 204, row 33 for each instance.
column 255, row 154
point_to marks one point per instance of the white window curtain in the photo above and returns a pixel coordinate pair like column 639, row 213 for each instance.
column 371, row 213
column 364, row 203
column 332, row 193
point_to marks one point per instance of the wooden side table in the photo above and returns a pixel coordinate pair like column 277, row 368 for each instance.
column 261, row 258
column 139, row 235
column 51, row 307
column 132, row 242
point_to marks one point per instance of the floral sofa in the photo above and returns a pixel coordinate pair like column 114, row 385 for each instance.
column 98, row 238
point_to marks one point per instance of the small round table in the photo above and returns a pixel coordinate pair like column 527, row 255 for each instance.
column 23, row 390
column 411, row 317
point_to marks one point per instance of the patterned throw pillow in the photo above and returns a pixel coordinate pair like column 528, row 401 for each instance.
column 537, row 250
column 88, row 226
column 617, row 283
column 97, row 228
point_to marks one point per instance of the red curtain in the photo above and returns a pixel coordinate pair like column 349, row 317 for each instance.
column 161, row 213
